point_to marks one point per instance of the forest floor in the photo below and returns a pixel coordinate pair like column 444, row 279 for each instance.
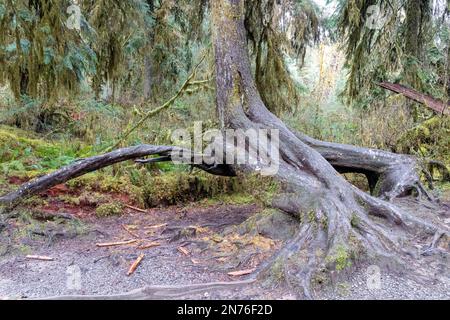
column 192, row 244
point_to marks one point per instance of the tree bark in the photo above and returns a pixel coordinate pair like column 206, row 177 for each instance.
column 312, row 190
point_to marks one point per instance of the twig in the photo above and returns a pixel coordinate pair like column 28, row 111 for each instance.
column 134, row 234
column 148, row 246
column 183, row 251
column 135, row 264
column 113, row 244
column 136, row 209
column 241, row 272
column 158, row 226
column 42, row 258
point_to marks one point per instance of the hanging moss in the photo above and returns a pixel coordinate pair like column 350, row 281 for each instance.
column 430, row 139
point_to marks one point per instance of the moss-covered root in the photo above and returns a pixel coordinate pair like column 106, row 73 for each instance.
column 332, row 240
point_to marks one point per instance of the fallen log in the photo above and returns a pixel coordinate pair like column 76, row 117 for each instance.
column 83, row 166
column 436, row 105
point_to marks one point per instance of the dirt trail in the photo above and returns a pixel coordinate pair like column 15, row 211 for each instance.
column 212, row 246
column 104, row 269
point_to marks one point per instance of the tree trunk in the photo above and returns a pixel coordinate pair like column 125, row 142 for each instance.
column 148, row 77
column 312, row 190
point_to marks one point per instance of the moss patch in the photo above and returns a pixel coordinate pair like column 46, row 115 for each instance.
column 22, row 152
column 340, row 259
column 109, row 209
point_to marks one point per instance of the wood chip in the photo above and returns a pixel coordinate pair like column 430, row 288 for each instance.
column 135, row 264
column 113, row 244
column 149, row 245
column 195, row 261
column 42, row 258
column 184, row 251
column 136, row 209
column 241, row 272
column 157, row 226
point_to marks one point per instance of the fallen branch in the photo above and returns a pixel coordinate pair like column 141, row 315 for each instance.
column 41, row 258
column 114, row 244
column 241, row 272
column 135, row 265
column 134, row 234
column 83, row 166
column 436, row 105
column 150, row 245
column 135, row 209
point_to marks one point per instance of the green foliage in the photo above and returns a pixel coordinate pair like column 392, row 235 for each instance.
column 410, row 47
column 109, row 209
column 20, row 151
column 296, row 26
column 340, row 259
column 42, row 57
column 430, row 140
column 177, row 187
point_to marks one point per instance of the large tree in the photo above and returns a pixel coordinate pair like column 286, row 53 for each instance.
column 337, row 221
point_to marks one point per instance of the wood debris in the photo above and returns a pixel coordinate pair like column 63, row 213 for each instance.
column 157, row 226
column 42, row 258
column 149, row 245
column 184, row 251
column 127, row 229
column 136, row 209
column 241, row 272
column 113, row 244
column 135, row 264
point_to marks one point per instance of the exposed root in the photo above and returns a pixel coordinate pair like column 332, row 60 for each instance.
column 159, row 292
column 331, row 240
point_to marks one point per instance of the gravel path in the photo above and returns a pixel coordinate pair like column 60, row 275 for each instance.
column 102, row 271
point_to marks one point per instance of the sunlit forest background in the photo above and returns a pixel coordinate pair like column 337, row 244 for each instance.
column 136, row 70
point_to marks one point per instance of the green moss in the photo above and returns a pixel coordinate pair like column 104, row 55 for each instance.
column 22, row 153
column 109, row 209
column 340, row 259
column 355, row 221
column 276, row 273
column 72, row 200
column 430, row 139
column 34, row 202
column 180, row 187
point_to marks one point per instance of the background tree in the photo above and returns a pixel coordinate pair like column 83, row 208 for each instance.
column 408, row 46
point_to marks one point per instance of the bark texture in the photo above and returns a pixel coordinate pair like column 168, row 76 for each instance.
column 326, row 205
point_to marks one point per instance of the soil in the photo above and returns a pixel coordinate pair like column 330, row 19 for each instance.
column 195, row 244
